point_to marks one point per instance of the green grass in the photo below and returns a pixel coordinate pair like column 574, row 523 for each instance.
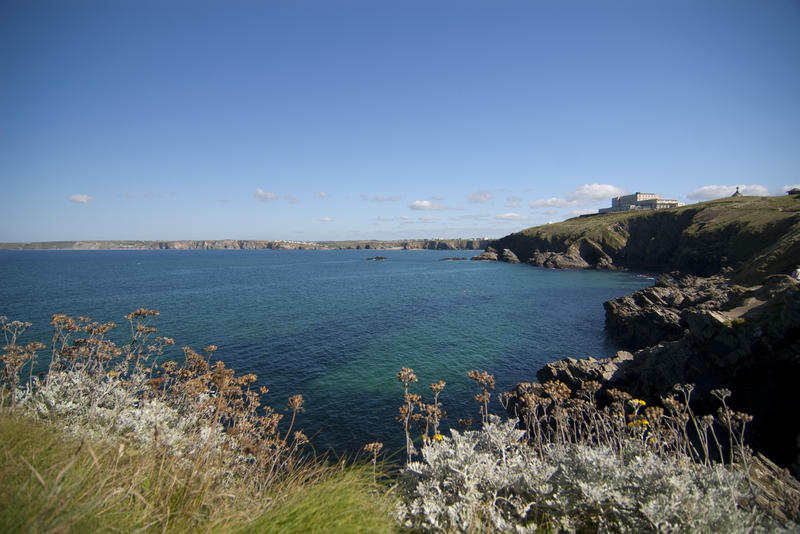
column 54, row 483
column 343, row 501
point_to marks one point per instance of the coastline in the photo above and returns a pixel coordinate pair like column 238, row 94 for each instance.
column 251, row 244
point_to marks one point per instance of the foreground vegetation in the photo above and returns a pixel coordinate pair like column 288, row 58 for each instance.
column 107, row 440
column 119, row 438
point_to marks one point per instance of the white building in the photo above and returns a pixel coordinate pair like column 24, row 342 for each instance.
column 640, row 201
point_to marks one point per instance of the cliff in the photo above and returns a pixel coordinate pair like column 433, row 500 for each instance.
column 748, row 237
column 723, row 314
column 251, row 244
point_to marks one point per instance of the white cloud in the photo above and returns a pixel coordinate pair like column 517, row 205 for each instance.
column 591, row 192
column 437, row 197
column 425, row 205
column 552, row 202
column 709, row 192
column 291, row 199
column 81, row 199
column 264, row 195
column 322, row 194
column 585, row 194
column 480, row 197
column 510, row 217
column 787, row 188
column 326, row 219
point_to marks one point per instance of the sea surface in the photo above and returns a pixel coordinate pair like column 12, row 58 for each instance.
column 332, row 325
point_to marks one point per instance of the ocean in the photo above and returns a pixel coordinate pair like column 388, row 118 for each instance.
column 332, row 325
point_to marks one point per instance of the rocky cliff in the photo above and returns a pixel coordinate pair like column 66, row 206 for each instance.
column 714, row 335
column 749, row 237
column 723, row 313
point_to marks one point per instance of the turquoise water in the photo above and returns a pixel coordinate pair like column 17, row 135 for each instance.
column 331, row 325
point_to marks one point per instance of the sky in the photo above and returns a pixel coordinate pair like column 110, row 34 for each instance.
column 333, row 120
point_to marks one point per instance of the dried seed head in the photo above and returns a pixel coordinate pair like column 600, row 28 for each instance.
column 406, row 376
column 436, row 387
column 374, row 447
column 721, row 394
column 654, row 413
column 296, row 402
column 557, row 390
column 483, row 378
column 618, row 395
column 412, row 398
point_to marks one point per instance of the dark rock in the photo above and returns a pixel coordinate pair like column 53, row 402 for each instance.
column 377, row 258
column 453, row 259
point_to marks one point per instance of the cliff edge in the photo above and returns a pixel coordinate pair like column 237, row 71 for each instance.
column 748, row 237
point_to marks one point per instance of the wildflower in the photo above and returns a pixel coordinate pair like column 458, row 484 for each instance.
column 112, row 374
column 438, row 437
column 638, row 423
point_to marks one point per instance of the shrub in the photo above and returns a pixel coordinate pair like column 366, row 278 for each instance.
column 492, row 480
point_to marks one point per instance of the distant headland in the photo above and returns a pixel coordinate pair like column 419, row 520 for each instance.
column 251, row 244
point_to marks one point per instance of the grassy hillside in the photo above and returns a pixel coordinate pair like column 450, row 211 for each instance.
column 53, row 482
column 753, row 236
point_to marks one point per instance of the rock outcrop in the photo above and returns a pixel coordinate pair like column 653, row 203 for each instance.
column 489, row 254
column 509, row 256
column 558, row 260
column 743, row 339
column 574, row 372
column 660, row 313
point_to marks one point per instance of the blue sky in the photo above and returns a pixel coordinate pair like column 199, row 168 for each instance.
column 383, row 119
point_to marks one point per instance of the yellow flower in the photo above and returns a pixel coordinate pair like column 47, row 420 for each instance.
column 438, row 437
column 112, row 373
column 638, row 422
column 640, row 402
